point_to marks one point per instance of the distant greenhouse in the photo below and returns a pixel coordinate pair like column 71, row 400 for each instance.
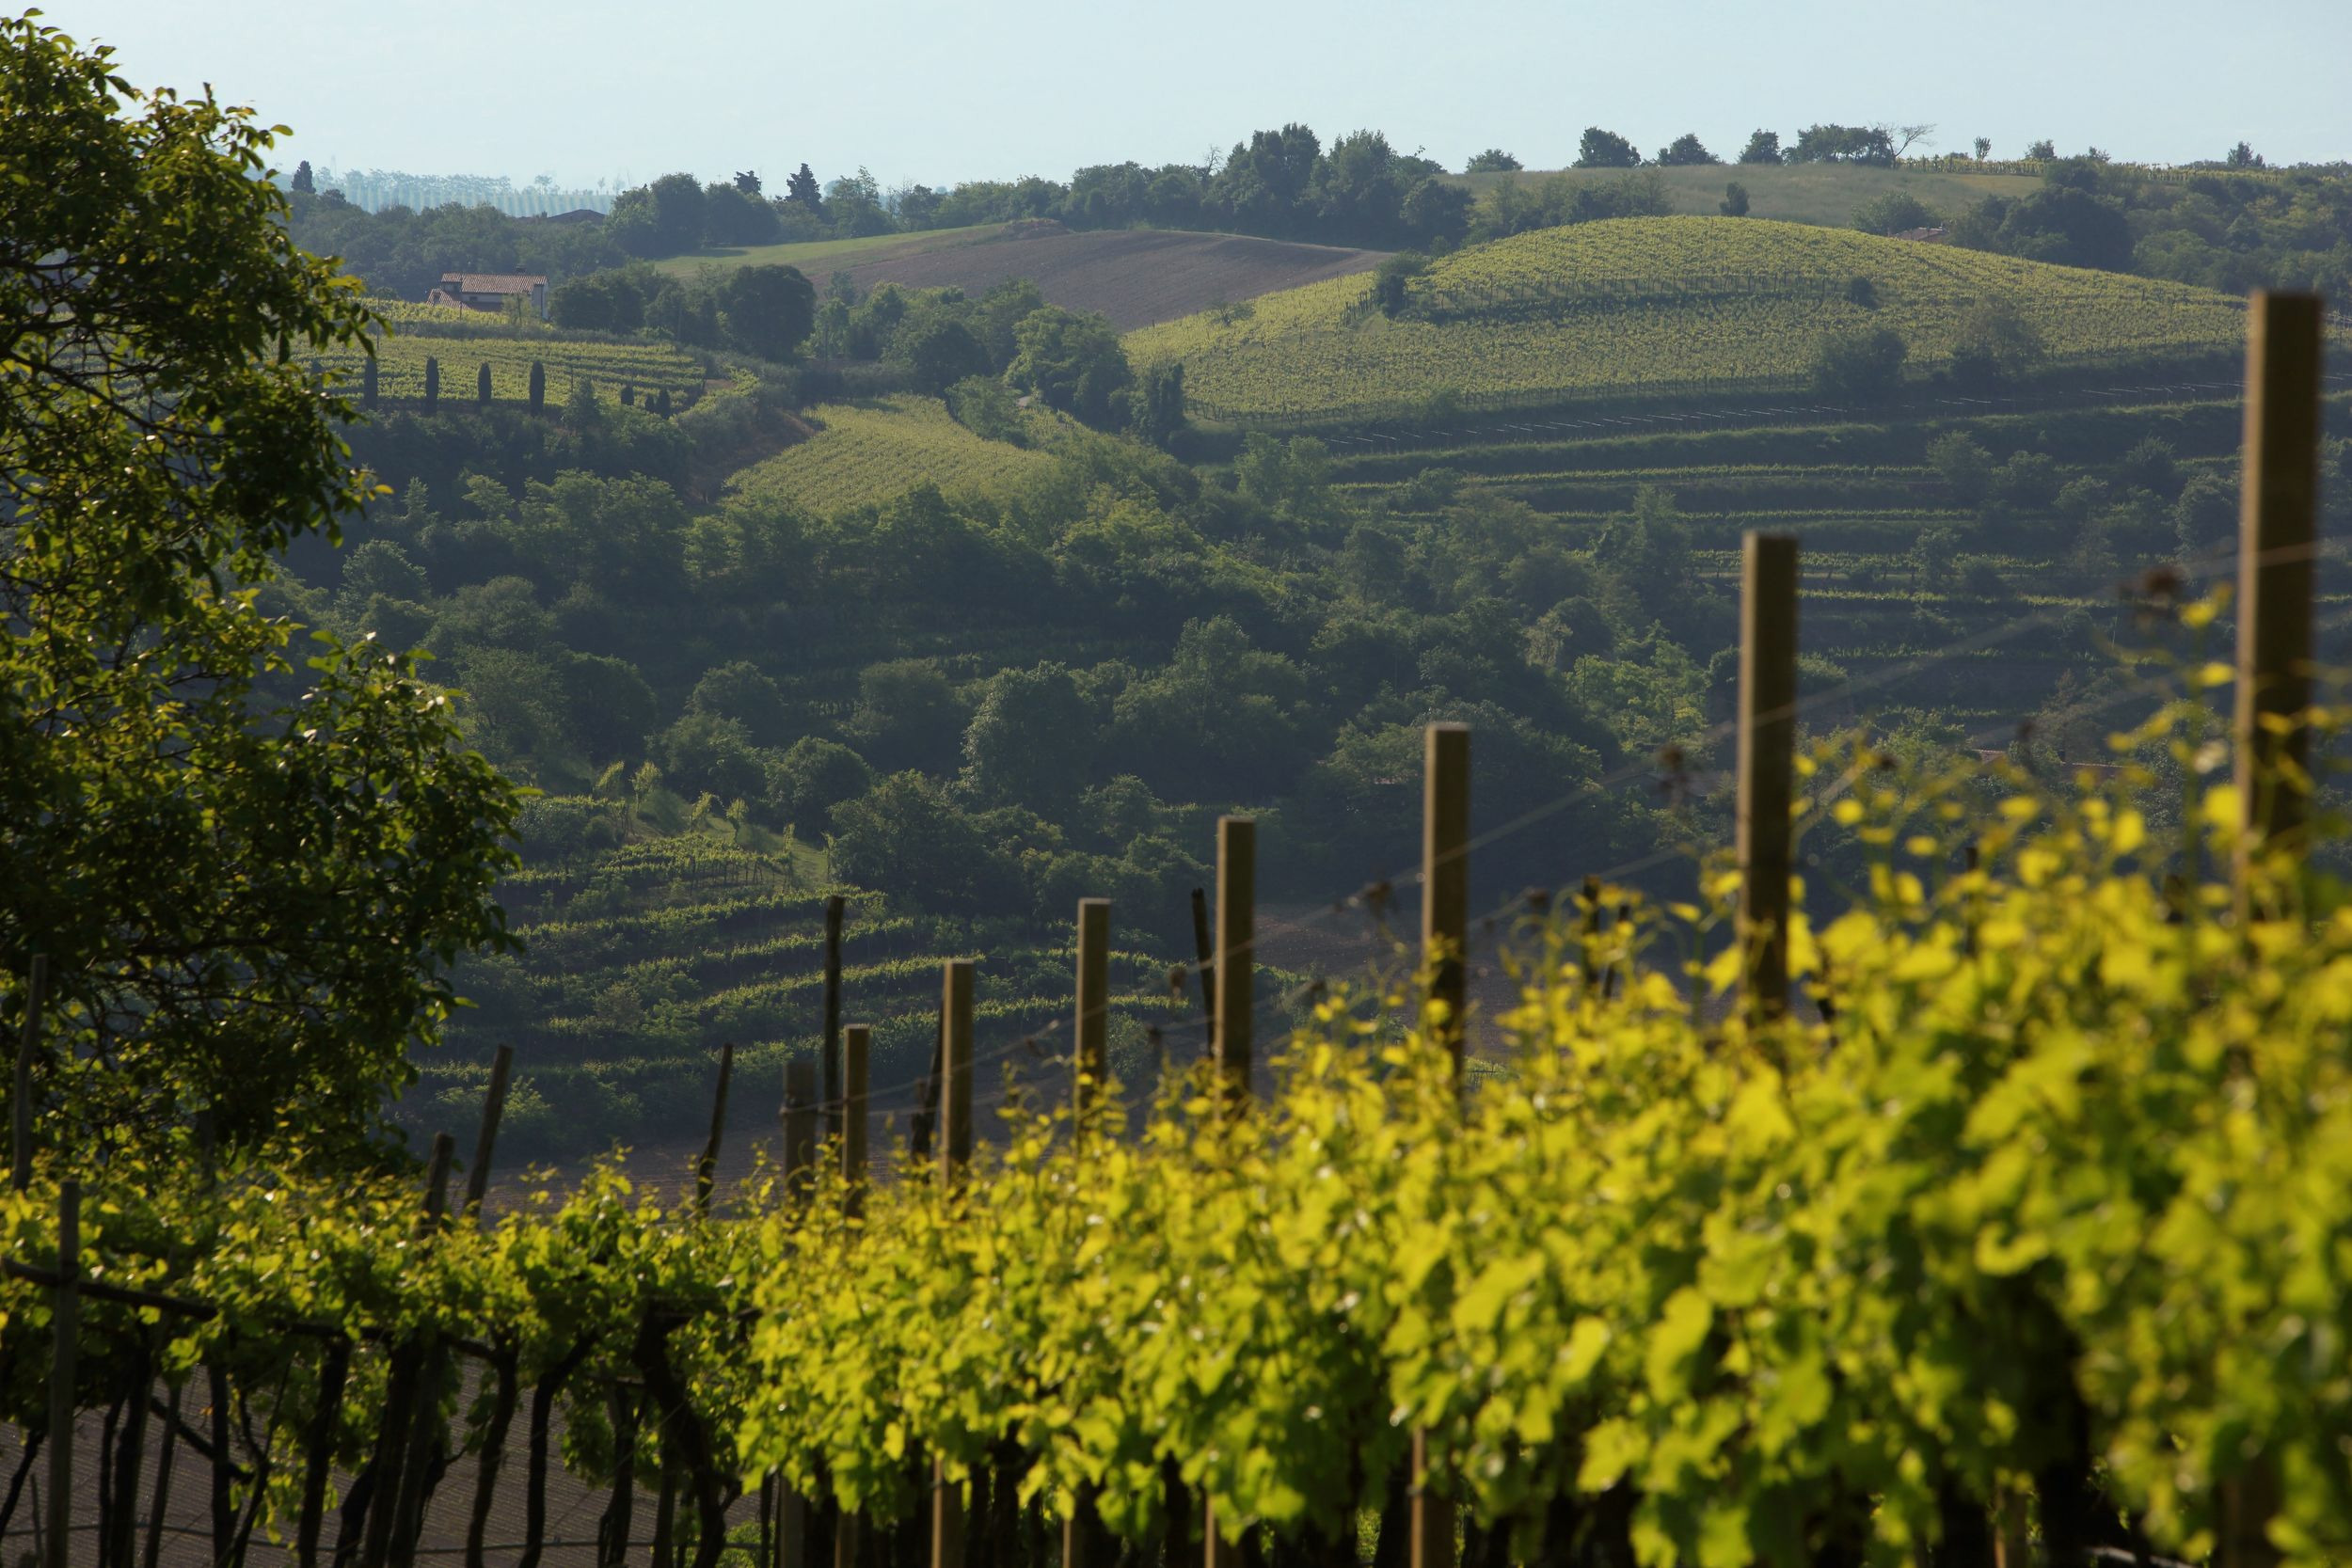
column 373, row 190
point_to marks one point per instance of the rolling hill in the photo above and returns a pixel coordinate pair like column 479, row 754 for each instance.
column 872, row 452
column 1715, row 305
column 1135, row 276
column 1798, row 193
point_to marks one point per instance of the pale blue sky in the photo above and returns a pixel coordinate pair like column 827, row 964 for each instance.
column 938, row 92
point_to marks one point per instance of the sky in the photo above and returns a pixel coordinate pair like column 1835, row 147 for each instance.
column 938, row 92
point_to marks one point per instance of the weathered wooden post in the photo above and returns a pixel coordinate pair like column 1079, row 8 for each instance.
column 955, row 1155
column 833, row 1015
column 1444, row 936
column 706, row 1168
column 27, row 1043
column 856, row 1045
column 1093, row 1031
column 1204, row 951
column 2278, row 551
column 1236, row 960
column 800, row 1129
column 1445, row 884
column 485, row 1145
column 1768, row 729
column 64, row 1334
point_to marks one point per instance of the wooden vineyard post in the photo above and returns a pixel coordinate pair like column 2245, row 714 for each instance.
column 2278, row 547
column 1236, row 927
column 27, row 1044
column 955, row 1154
column 1767, row 728
column 1204, row 951
column 65, row 1332
column 800, row 1130
column 832, row 1016
column 706, row 1168
column 1093, row 1021
column 1444, row 937
column 1445, row 882
column 493, row 1107
column 856, row 1044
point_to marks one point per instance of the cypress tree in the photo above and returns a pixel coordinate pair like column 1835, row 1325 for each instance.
column 538, row 386
column 367, row 383
column 628, row 394
column 482, row 388
column 661, row 402
column 432, row 383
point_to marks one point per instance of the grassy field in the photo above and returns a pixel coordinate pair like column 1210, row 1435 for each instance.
column 1608, row 308
column 1802, row 193
column 821, row 258
column 872, row 452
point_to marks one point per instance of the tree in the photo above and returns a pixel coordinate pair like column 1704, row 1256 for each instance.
column 801, row 189
column 2042, row 151
column 1735, row 201
column 251, row 879
column 302, row 183
column 1391, row 281
column 1859, row 365
column 1906, row 137
column 741, row 691
column 1687, row 149
column 1073, row 361
column 1160, row 404
column 1601, row 149
column 538, row 386
column 811, row 778
column 481, row 386
column 1763, row 148
column 1493, row 161
column 937, row 350
column 905, row 836
column 2244, row 156
column 368, row 383
column 432, row 383
column 1843, row 144
column 767, row 309
column 1984, row 148
column 747, row 180
column 1892, row 213
column 1028, row 743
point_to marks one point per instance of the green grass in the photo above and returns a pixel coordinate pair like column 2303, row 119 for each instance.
column 870, row 453
column 818, row 257
column 1723, row 305
column 1802, row 193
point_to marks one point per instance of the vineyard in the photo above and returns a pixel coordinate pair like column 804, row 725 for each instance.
column 868, row 453
column 608, row 367
column 1717, row 304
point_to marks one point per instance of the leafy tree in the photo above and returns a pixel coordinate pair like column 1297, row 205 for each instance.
column 1436, row 213
column 2043, row 151
column 801, row 189
column 1030, row 739
column 2244, row 156
column 601, row 302
column 747, row 180
column 908, row 715
column 906, row 836
column 985, row 407
column 1735, row 201
column 1892, row 213
column 607, row 706
column 250, row 883
column 1763, row 148
column 1159, row 403
column 1961, row 463
column 1601, row 149
column 704, row 752
column 1002, row 310
column 1843, row 144
column 1392, row 280
column 2151, row 465
column 735, row 216
column 664, row 218
column 1687, row 149
column 1072, row 359
column 741, row 691
column 1996, row 345
column 768, row 310
column 1859, row 365
column 937, row 350
column 1984, row 148
column 810, row 778
column 2205, row 518
column 2067, row 220
column 1493, row 161
column 302, row 183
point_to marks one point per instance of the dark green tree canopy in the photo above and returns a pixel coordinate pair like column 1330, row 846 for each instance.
column 251, row 870
column 1687, row 149
column 1493, row 161
column 1601, row 149
column 1763, row 148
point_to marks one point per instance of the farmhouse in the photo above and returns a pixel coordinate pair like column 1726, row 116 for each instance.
column 490, row 291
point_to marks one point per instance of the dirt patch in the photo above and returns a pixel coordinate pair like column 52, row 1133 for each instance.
column 1135, row 276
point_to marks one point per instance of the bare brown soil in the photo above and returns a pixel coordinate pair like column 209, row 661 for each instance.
column 1135, row 276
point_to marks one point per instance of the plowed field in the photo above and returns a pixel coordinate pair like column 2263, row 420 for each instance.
column 1135, row 276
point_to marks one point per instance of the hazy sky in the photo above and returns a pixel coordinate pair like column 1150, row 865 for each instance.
column 936, row 92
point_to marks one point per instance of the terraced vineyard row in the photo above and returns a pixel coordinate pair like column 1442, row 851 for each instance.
column 1321, row 348
column 870, row 453
column 607, row 367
